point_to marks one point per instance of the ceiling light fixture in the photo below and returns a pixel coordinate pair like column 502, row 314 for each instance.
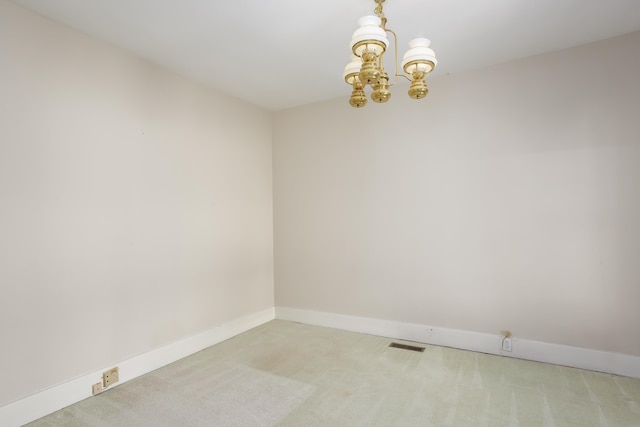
column 368, row 44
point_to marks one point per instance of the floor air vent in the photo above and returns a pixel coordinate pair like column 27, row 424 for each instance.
column 406, row 347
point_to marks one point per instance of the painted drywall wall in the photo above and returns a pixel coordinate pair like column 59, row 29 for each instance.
column 136, row 206
column 508, row 199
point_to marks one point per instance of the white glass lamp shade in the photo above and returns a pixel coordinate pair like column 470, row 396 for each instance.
column 369, row 36
column 352, row 69
column 419, row 57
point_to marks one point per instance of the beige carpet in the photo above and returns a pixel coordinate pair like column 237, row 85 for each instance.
column 289, row 374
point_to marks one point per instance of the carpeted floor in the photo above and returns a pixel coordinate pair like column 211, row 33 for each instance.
column 289, row 374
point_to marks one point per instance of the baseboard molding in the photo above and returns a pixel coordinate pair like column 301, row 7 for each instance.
column 558, row 354
column 55, row 398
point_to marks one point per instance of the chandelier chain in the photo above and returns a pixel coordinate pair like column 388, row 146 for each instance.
column 378, row 11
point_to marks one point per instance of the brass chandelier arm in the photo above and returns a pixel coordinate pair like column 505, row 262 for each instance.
column 395, row 52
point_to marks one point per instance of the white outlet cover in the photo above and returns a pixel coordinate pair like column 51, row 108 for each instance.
column 506, row 344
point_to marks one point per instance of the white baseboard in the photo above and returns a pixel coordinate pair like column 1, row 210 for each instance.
column 43, row 403
column 558, row 354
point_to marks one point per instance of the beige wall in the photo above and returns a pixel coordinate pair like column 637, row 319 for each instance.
column 508, row 199
column 135, row 210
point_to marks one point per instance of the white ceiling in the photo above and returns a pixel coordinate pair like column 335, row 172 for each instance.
column 284, row 53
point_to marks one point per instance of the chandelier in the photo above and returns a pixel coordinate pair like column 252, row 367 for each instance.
column 368, row 44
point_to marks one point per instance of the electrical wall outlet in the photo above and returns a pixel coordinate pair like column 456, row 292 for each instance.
column 506, row 340
column 506, row 344
column 109, row 377
column 96, row 388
